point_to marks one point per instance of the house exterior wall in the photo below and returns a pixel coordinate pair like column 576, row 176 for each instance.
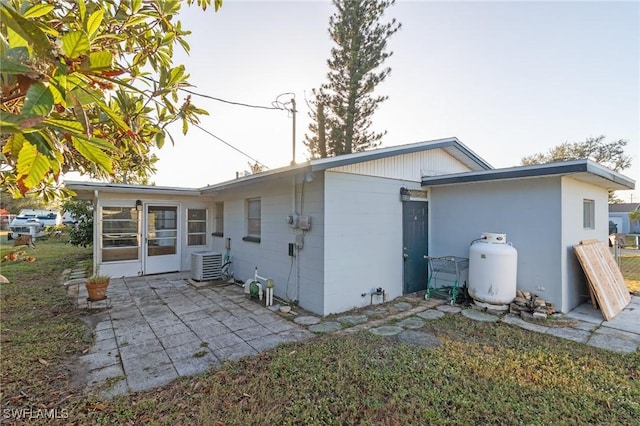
column 622, row 221
column 363, row 239
column 527, row 210
column 131, row 268
column 296, row 278
column 574, row 192
column 410, row 166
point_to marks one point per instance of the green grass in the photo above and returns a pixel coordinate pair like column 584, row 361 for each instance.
column 630, row 267
column 40, row 328
column 480, row 374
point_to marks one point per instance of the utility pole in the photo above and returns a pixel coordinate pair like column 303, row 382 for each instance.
column 293, row 141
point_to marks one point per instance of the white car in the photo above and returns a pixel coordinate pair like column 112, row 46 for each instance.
column 33, row 222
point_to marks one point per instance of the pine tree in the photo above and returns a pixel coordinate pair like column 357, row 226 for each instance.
column 342, row 108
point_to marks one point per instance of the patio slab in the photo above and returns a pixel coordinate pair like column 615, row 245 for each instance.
column 160, row 328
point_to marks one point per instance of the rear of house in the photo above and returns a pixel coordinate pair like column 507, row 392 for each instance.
column 331, row 232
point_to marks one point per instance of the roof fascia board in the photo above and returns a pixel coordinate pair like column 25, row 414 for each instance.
column 538, row 170
column 137, row 189
column 358, row 157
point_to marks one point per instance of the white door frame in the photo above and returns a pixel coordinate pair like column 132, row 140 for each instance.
column 161, row 248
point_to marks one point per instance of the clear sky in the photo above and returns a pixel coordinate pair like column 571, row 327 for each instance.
column 508, row 79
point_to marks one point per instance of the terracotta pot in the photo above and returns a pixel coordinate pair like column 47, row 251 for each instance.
column 97, row 291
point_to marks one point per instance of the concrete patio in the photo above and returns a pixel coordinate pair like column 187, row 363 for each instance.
column 160, row 327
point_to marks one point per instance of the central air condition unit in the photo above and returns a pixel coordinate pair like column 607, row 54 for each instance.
column 206, row 265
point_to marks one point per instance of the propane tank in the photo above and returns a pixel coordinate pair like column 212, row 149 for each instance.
column 493, row 271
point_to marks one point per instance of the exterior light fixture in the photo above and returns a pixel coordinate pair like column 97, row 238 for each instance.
column 404, row 194
column 139, row 205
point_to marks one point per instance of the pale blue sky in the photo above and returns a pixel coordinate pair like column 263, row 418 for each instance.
column 507, row 78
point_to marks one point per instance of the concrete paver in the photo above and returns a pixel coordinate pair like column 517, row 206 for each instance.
column 160, row 328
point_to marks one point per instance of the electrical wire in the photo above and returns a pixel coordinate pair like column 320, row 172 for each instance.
column 231, row 102
column 230, row 146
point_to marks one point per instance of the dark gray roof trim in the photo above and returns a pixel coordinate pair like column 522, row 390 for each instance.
column 348, row 159
column 538, row 170
column 139, row 189
column 452, row 145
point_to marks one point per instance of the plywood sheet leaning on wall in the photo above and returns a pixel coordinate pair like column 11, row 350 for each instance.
column 604, row 277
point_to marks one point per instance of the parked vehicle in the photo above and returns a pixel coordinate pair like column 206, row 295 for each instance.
column 613, row 228
column 33, row 222
column 69, row 219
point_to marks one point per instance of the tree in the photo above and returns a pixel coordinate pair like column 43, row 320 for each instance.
column 342, row 108
column 88, row 86
column 609, row 154
column 82, row 233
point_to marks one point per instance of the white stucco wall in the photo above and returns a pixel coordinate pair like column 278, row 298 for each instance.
column 363, row 239
column 296, row 278
column 527, row 210
column 574, row 192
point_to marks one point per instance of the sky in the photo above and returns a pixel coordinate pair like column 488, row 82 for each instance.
column 508, row 79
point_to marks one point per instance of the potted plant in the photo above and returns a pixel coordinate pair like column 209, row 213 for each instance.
column 97, row 286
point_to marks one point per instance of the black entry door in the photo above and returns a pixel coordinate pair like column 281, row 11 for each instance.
column 414, row 236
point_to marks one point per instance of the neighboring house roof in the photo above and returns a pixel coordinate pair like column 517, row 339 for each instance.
column 623, row 207
column 584, row 170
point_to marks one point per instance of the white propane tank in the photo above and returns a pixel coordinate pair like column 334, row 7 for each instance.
column 493, row 271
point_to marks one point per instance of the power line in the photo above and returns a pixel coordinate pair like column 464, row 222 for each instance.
column 230, row 146
column 232, row 102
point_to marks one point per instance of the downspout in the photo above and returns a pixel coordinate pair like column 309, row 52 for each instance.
column 96, row 247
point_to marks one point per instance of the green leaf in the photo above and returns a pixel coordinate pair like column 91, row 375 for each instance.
column 100, row 60
column 92, row 153
column 31, row 165
column 94, row 22
column 15, row 40
column 38, row 100
column 57, row 87
column 83, row 9
column 7, row 66
column 38, row 10
column 99, row 143
column 41, row 142
column 111, row 114
column 160, row 139
column 135, row 6
column 10, row 123
column 65, row 125
column 75, row 44
column 176, row 75
column 25, row 29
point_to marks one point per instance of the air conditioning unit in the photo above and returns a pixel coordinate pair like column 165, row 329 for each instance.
column 206, row 265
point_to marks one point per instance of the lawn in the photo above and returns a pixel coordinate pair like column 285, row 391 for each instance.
column 630, row 267
column 479, row 373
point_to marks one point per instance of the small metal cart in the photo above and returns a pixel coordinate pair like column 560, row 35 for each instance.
column 447, row 269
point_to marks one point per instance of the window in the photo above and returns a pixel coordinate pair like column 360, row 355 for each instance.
column 589, row 214
column 196, row 227
column 119, row 239
column 253, row 220
column 219, row 220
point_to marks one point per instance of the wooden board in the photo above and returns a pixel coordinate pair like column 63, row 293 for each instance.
column 604, row 277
